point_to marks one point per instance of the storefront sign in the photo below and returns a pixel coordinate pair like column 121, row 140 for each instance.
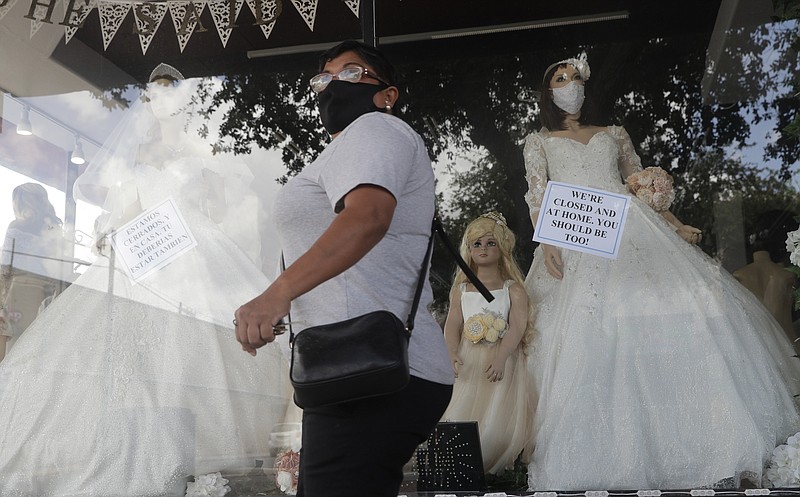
column 151, row 241
column 148, row 16
column 582, row 218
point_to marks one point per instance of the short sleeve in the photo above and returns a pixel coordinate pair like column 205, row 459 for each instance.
column 535, row 172
column 376, row 149
column 629, row 161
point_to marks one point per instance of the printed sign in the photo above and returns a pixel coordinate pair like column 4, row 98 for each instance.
column 155, row 238
column 582, row 218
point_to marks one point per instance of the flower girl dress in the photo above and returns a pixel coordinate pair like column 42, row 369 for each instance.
column 502, row 409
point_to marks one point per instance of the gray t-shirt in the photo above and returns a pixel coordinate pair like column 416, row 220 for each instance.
column 376, row 149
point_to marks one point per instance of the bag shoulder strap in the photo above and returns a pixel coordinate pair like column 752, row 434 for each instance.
column 436, row 227
column 471, row 276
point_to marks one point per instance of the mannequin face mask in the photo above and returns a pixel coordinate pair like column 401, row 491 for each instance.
column 569, row 98
column 341, row 103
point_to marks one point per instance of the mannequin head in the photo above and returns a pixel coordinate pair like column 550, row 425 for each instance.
column 769, row 233
column 166, row 95
column 564, row 76
column 32, row 207
column 490, row 227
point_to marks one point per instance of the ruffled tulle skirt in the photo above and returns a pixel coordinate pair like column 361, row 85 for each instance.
column 654, row 370
column 502, row 409
column 112, row 395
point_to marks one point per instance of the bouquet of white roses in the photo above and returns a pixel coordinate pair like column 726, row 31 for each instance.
column 287, row 471
column 488, row 326
column 210, row 485
column 784, row 465
column 793, row 247
column 653, row 186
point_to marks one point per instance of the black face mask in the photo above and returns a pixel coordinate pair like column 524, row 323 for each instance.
column 341, row 103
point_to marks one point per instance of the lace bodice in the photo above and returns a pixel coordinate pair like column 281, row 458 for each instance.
column 602, row 163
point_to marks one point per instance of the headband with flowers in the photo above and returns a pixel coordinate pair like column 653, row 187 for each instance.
column 580, row 63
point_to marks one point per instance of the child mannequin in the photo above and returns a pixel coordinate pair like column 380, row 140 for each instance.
column 486, row 344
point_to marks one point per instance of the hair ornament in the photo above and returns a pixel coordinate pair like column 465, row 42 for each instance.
column 580, row 63
column 165, row 71
column 496, row 217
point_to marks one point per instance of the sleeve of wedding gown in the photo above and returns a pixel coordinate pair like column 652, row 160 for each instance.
column 629, row 161
column 535, row 172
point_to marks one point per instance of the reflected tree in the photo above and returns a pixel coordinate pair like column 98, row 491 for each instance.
column 654, row 87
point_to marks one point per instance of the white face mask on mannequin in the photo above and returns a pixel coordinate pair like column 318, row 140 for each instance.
column 569, row 98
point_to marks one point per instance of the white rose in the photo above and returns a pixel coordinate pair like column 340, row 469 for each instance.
column 284, row 480
column 492, row 335
column 499, row 324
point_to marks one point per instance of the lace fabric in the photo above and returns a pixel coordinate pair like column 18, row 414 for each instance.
column 502, row 409
column 537, row 151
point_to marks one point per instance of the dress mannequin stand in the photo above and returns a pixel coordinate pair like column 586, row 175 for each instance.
column 772, row 284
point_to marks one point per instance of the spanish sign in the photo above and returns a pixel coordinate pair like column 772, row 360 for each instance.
column 582, row 218
column 152, row 240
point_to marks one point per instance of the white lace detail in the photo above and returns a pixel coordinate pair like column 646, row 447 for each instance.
column 629, row 161
column 535, row 172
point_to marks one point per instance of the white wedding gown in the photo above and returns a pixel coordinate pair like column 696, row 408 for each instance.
column 656, row 370
column 123, row 389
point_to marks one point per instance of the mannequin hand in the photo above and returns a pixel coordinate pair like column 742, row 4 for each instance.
column 254, row 321
column 690, row 234
column 457, row 363
column 494, row 371
column 552, row 261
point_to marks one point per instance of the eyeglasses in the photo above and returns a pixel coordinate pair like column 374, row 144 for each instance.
column 352, row 74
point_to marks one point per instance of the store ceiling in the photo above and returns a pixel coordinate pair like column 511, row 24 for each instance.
column 397, row 22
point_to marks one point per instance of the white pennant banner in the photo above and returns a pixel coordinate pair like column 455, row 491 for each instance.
column 148, row 16
column 266, row 13
column 111, row 17
column 224, row 15
column 6, row 7
column 353, row 4
column 77, row 11
column 185, row 18
column 42, row 13
column 308, row 11
column 148, row 20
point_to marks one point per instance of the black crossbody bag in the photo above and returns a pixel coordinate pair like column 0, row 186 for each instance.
column 361, row 357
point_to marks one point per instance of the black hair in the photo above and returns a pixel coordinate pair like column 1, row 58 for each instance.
column 370, row 55
column 770, row 231
column 552, row 117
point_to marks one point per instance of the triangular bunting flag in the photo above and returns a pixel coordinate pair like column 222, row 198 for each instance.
column 7, row 7
column 111, row 16
column 221, row 13
column 308, row 10
column 268, row 10
column 184, row 19
column 40, row 13
column 77, row 18
column 152, row 13
column 353, row 4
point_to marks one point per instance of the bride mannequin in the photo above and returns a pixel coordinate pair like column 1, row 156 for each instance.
column 655, row 370
column 128, row 386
